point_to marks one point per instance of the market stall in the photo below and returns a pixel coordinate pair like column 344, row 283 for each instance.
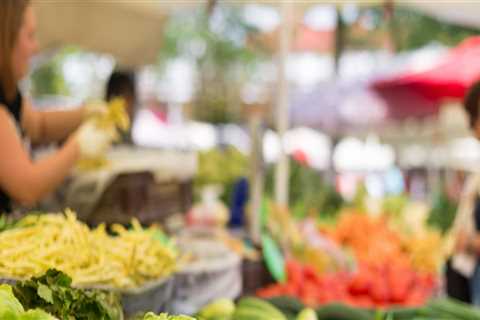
column 157, row 230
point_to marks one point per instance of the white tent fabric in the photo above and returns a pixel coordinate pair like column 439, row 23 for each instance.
column 374, row 155
column 129, row 30
column 314, row 144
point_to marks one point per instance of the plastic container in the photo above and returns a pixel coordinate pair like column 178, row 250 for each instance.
column 155, row 296
column 214, row 272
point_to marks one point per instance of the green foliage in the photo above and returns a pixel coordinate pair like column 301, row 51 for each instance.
column 359, row 200
column 222, row 167
column 309, row 193
column 393, row 205
column 408, row 28
column 6, row 222
column 412, row 30
column 219, row 45
column 48, row 78
column 443, row 212
column 191, row 35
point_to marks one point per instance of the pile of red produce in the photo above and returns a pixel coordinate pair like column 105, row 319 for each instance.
column 379, row 286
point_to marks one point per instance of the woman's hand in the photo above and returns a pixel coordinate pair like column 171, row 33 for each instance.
column 94, row 140
column 468, row 243
column 95, row 109
column 462, row 242
column 474, row 244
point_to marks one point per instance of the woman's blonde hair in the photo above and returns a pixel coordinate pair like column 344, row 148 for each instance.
column 11, row 19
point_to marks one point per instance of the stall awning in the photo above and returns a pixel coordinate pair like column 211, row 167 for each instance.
column 129, row 30
column 422, row 92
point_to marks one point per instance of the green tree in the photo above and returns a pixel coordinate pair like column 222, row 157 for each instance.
column 48, row 79
column 412, row 30
column 408, row 28
column 218, row 42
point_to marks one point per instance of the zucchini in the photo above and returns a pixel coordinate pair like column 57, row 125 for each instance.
column 454, row 309
column 257, row 307
column 337, row 311
column 290, row 316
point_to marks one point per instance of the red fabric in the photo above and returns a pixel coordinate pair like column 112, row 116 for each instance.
column 160, row 115
column 309, row 39
column 301, row 157
column 450, row 79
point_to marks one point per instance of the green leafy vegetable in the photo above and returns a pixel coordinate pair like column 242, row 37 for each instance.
column 35, row 315
column 45, row 293
column 9, row 305
column 52, row 292
column 163, row 316
column 6, row 222
column 11, row 308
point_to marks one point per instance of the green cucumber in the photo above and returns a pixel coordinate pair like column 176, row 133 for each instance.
column 287, row 304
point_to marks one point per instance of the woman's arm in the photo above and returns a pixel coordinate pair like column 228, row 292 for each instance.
column 49, row 126
column 463, row 226
column 23, row 180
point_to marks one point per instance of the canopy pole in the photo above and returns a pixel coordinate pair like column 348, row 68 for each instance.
column 256, row 174
column 339, row 40
column 282, row 110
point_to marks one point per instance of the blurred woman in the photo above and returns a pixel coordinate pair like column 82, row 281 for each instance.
column 464, row 269
column 21, row 179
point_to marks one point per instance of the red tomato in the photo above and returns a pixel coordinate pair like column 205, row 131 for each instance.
column 379, row 292
column 271, row 291
column 417, row 297
column 294, row 272
column 360, row 284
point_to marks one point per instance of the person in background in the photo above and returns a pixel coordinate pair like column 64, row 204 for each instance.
column 22, row 180
column 122, row 84
column 463, row 271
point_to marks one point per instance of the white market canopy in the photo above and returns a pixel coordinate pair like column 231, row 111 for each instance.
column 129, row 30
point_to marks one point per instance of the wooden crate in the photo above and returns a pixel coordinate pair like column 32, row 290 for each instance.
column 139, row 195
